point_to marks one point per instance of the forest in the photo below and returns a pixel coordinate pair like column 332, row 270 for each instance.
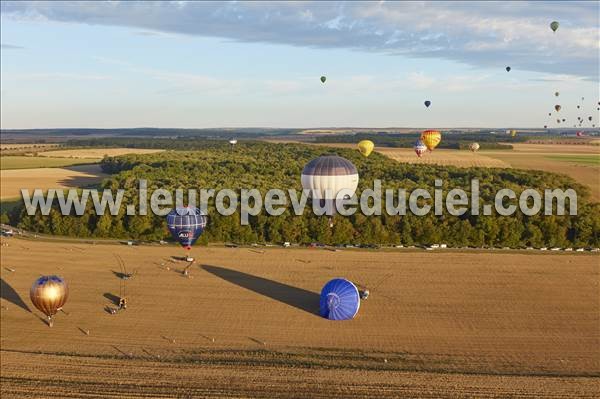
column 215, row 164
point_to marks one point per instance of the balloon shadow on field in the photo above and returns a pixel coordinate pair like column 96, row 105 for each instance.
column 297, row 297
column 112, row 298
column 7, row 292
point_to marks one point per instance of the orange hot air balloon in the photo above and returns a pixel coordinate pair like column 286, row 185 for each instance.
column 49, row 294
column 431, row 138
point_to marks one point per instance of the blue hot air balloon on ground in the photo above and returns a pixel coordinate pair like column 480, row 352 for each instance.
column 340, row 300
column 186, row 225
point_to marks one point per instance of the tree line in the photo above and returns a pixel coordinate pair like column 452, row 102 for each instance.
column 214, row 164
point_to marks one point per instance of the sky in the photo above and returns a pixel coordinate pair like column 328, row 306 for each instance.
column 252, row 64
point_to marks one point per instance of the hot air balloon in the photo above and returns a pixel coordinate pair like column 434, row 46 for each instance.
column 545, row 126
column 554, row 26
column 186, row 224
column 578, row 107
column 507, row 69
column 564, row 119
column 49, row 294
column 340, row 300
column 325, row 177
column 366, row 147
column 474, row 147
column 549, row 113
column 580, row 134
column 556, row 94
column 558, row 121
column 513, row 133
column 431, row 138
column 557, row 107
column 323, row 79
column 590, row 118
column 427, row 103
column 232, row 142
column 582, row 98
column 420, row 148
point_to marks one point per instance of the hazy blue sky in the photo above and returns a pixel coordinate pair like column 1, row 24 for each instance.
column 180, row 64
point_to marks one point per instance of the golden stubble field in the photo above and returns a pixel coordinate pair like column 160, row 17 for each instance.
column 13, row 180
column 437, row 324
column 96, row 153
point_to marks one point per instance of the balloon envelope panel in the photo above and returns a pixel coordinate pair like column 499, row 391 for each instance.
column 340, row 300
column 48, row 294
column 186, row 225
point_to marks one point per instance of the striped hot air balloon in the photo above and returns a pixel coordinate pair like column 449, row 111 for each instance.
column 49, row 294
column 420, row 148
column 431, row 138
column 340, row 300
column 326, row 176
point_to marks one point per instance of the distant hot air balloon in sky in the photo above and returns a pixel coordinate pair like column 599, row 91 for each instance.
column 580, row 134
column 578, row 107
column 564, row 119
column 582, row 98
column 366, row 147
column 513, row 133
column 556, row 94
column 558, row 121
column 554, row 26
column 549, row 113
column 507, row 69
column 545, row 126
column 325, row 177
column 557, row 107
column 186, row 224
column 590, row 118
column 427, row 103
column 431, row 138
column 323, row 79
column 232, row 142
column 474, row 147
column 420, row 148
column 49, row 294
column 340, row 300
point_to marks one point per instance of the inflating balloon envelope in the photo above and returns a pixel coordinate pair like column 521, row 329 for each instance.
column 340, row 300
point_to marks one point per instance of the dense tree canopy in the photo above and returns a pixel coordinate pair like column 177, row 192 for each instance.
column 213, row 164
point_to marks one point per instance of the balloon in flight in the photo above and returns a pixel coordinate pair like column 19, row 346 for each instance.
column 49, row 294
column 340, row 300
column 431, row 138
column 326, row 176
column 420, row 148
column 554, row 26
column 323, row 79
column 427, row 103
column 556, row 94
column 474, row 147
column 508, row 69
column 186, row 224
column 366, row 147
column 557, row 107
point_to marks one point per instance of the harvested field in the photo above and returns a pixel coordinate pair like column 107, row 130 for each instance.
column 437, row 324
column 12, row 181
column 96, row 153
column 31, row 162
column 462, row 159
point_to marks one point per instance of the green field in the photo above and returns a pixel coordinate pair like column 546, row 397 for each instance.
column 22, row 162
column 580, row 159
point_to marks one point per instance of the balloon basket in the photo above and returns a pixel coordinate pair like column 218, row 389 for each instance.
column 189, row 259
